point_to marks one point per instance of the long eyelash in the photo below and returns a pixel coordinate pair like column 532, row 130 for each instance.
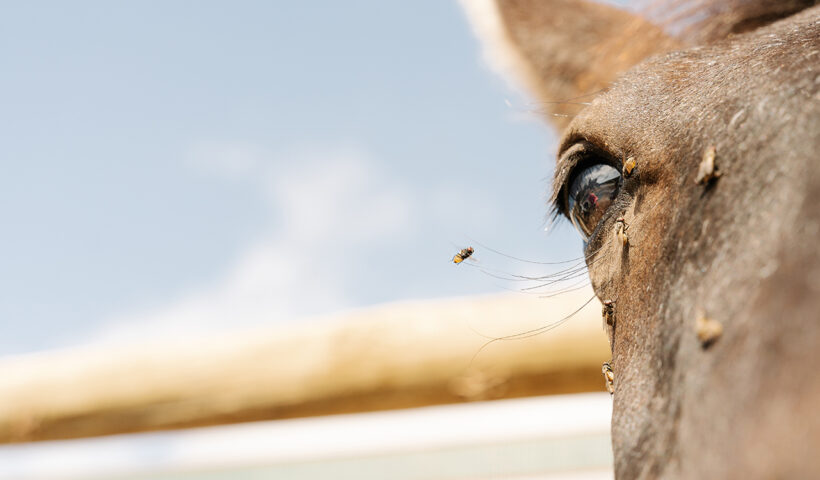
column 502, row 275
column 553, row 215
column 550, row 293
column 596, row 92
column 579, row 266
column 570, row 273
column 530, row 333
column 569, row 101
column 572, row 288
column 485, row 247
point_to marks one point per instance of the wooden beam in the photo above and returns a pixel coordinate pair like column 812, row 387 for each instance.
column 394, row 356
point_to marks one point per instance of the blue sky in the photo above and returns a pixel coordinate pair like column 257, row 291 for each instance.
column 179, row 168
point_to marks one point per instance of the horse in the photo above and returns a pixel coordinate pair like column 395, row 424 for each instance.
column 688, row 162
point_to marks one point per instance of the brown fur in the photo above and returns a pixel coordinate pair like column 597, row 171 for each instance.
column 705, row 21
column 741, row 249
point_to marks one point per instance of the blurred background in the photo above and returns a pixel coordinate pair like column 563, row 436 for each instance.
column 178, row 169
column 173, row 167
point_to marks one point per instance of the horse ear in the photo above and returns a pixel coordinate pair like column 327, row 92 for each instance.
column 561, row 50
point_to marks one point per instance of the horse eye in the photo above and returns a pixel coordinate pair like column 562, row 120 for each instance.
column 591, row 192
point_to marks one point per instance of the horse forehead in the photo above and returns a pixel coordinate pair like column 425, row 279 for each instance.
column 679, row 94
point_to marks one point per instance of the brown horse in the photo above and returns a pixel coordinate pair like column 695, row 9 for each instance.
column 693, row 174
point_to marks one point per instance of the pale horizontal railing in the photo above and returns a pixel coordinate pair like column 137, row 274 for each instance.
column 394, row 356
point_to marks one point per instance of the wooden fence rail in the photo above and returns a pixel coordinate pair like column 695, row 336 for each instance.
column 394, row 356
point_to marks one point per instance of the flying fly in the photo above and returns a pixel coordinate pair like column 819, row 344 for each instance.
column 464, row 254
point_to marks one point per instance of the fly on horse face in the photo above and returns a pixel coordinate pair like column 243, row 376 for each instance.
column 692, row 176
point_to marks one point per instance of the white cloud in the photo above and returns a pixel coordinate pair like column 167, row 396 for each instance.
column 340, row 199
column 328, row 201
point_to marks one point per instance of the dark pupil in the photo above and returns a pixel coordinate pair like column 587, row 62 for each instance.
column 590, row 194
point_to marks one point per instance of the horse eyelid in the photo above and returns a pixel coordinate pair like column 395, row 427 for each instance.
column 567, row 163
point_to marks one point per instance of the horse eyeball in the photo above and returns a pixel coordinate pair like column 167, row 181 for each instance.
column 590, row 193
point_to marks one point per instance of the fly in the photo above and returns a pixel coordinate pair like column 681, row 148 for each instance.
column 609, row 377
column 464, row 254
